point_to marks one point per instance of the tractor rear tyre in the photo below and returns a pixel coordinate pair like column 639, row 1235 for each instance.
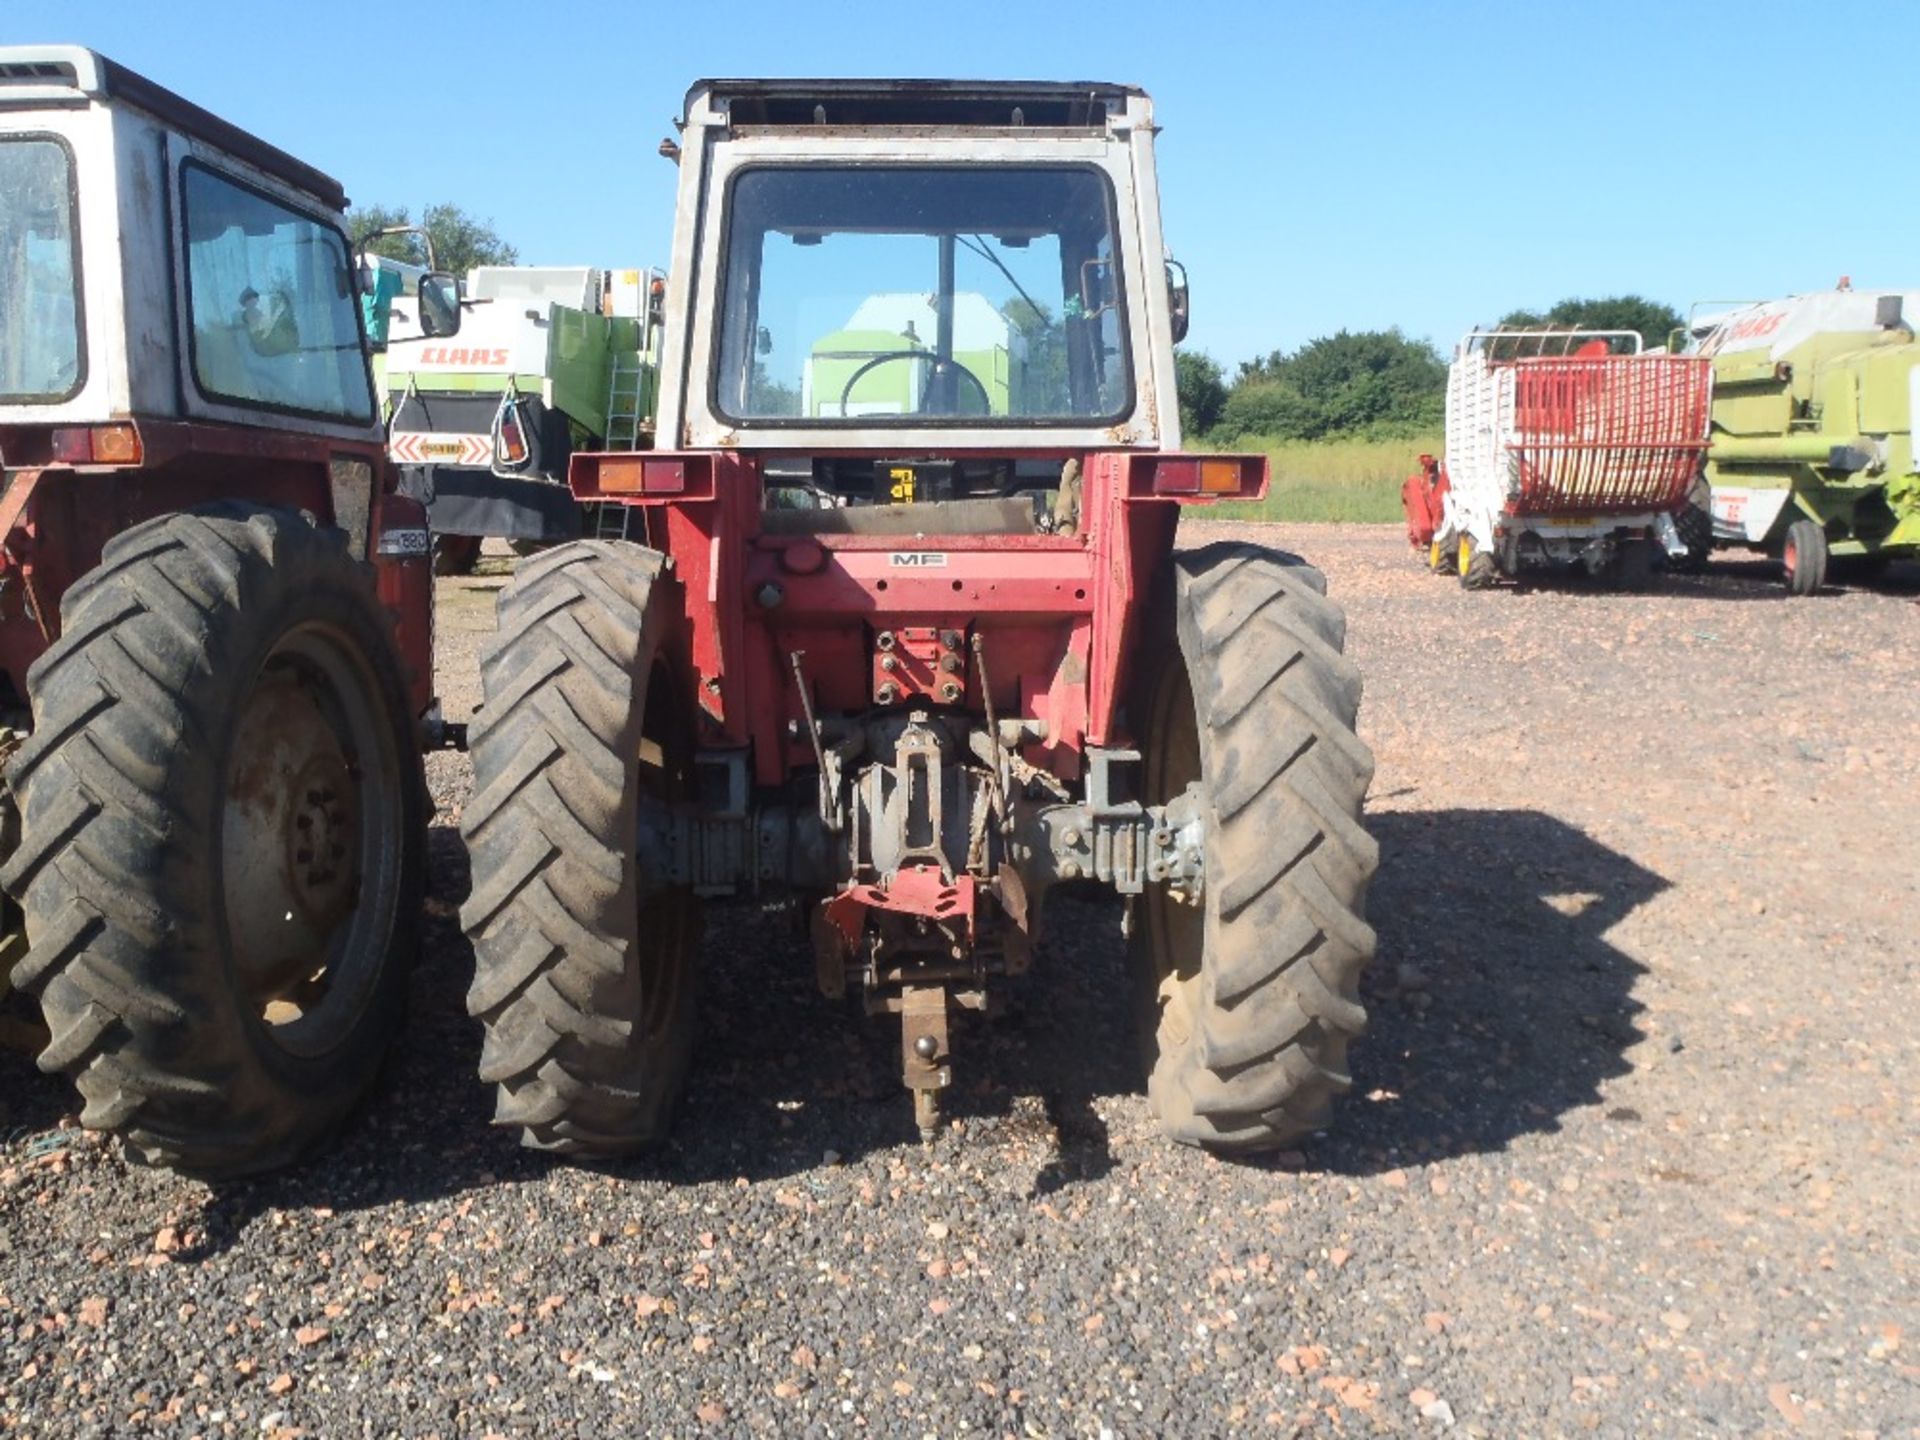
column 584, row 972
column 1805, row 557
column 223, row 825
column 1251, row 997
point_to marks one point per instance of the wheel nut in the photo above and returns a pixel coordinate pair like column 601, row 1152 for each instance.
column 950, row 691
column 884, row 640
column 770, row 595
column 1070, row 870
column 889, row 664
column 887, row 693
column 950, row 664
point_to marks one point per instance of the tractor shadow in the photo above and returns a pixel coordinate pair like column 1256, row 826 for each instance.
column 1497, row 1002
column 1521, row 1012
column 1517, row 1009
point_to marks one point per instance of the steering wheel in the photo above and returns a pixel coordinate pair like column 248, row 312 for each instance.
column 846, row 391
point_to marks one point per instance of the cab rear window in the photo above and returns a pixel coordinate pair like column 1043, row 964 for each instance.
column 42, row 356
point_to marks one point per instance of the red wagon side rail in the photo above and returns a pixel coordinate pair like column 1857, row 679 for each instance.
column 1607, row 434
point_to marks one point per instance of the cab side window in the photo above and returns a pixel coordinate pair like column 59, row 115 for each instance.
column 275, row 320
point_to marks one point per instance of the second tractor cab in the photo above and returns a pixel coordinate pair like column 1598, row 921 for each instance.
column 900, row 630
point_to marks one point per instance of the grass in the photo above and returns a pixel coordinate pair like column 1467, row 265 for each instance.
column 1351, row 480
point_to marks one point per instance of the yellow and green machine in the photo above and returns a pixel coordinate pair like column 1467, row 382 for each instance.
column 549, row 359
column 1812, row 452
column 853, row 370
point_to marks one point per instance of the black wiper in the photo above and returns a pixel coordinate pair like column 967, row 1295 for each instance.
column 979, row 245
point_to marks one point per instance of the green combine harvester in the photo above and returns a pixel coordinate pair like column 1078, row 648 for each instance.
column 550, row 359
column 1812, row 456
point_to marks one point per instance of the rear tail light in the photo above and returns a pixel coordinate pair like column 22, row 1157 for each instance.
column 510, row 444
column 638, row 475
column 1209, row 476
column 96, row 445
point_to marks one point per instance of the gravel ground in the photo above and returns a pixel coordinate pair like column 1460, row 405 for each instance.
column 1631, row 1149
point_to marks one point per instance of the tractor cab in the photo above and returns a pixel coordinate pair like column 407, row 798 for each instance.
column 159, row 263
column 871, row 271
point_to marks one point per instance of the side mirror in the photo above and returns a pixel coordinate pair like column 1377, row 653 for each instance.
column 1177, row 298
column 439, row 304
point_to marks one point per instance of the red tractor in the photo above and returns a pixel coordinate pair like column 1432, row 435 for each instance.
column 894, row 621
column 215, row 624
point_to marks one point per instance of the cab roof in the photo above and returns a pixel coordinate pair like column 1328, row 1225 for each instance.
column 983, row 104
column 72, row 74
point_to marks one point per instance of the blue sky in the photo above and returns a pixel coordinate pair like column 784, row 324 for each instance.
column 1350, row 165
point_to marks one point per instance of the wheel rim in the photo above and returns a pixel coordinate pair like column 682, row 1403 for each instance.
column 1434, row 554
column 1465, row 555
column 311, row 841
column 1790, row 557
column 1177, row 931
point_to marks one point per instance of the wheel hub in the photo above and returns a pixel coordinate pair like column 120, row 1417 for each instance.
column 292, row 840
column 319, row 842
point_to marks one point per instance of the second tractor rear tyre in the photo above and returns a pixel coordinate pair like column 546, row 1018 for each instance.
column 223, row 824
column 584, row 969
column 1250, row 998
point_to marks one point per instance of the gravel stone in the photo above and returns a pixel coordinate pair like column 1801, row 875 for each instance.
column 1550, row 1218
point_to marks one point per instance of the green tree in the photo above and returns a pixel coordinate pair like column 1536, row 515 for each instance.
column 1203, row 391
column 1651, row 320
column 1369, row 380
column 460, row 241
column 1045, row 387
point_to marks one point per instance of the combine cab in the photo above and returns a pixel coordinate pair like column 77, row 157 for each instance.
column 1564, row 448
column 1813, row 457
column 901, row 632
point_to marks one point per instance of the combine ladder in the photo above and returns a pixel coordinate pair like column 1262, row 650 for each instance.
column 625, row 377
column 624, row 420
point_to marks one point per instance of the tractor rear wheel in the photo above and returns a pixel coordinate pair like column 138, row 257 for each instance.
column 1251, row 997
column 584, row 971
column 223, row 825
column 1805, row 557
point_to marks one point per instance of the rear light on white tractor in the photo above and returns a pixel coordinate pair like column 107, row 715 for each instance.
column 95, row 445
column 1210, row 477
